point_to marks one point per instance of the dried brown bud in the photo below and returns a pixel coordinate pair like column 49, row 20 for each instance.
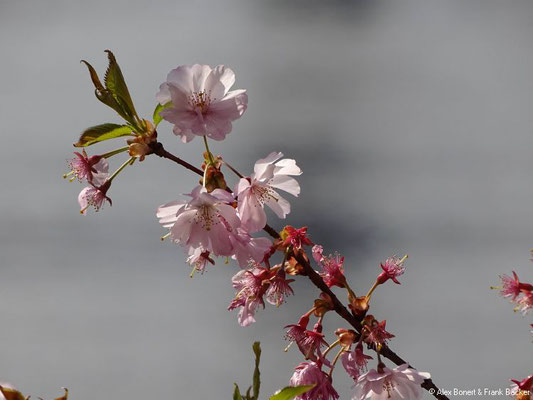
column 323, row 305
column 359, row 305
column 293, row 267
column 346, row 336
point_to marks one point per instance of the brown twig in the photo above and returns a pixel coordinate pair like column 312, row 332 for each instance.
column 158, row 149
column 317, row 280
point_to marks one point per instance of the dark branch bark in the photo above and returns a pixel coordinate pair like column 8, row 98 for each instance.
column 158, row 149
column 317, row 280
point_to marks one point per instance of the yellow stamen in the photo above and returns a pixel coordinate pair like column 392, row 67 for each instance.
column 290, row 344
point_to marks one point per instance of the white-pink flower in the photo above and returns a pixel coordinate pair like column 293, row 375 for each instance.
column 202, row 103
column 247, row 248
column 94, row 196
column 254, row 193
column 310, row 373
column 250, row 286
column 279, row 289
column 206, row 221
column 198, row 259
column 399, row 383
column 93, row 169
column 392, row 268
column 355, row 361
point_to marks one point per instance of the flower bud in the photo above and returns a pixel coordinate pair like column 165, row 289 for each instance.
column 346, row 336
column 359, row 305
column 323, row 305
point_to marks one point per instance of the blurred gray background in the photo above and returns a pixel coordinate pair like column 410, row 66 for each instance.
column 412, row 122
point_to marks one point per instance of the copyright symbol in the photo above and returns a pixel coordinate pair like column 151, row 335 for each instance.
column 431, row 391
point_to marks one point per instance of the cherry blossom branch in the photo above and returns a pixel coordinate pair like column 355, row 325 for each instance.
column 355, row 322
column 316, row 279
column 158, row 149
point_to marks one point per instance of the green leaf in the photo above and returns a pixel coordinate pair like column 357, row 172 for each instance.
column 247, row 396
column 99, row 133
column 114, row 81
column 115, row 94
column 257, row 375
column 158, row 118
column 94, row 76
column 290, row 392
column 236, row 393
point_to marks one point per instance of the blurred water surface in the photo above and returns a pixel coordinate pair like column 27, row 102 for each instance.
column 411, row 120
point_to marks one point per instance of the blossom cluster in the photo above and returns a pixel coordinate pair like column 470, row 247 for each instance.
column 217, row 219
column 520, row 294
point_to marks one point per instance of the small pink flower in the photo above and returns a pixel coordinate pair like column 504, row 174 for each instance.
column 399, row 383
column 332, row 267
column 250, row 288
column 93, row 196
column 312, row 342
column 392, row 268
column 310, row 373
column 87, row 168
column 247, row 248
column 355, row 361
column 523, row 388
column 512, row 287
column 296, row 332
column 198, row 258
column 254, row 193
column 206, row 221
column 279, row 289
column 297, row 238
column 375, row 333
column 202, row 103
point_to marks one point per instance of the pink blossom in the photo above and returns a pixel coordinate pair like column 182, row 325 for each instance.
column 296, row 332
column 392, row 268
column 523, row 387
column 399, row 383
column 206, row 221
column 332, row 267
column 202, row 103
column 260, row 190
column 247, row 248
column 93, row 196
column 310, row 373
column 512, row 287
column 250, row 286
column 375, row 332
column 87, row 168
column 355, row 361
column 297, row 238
column 168, row 213
column 198, row 258
column 279, row 289
column 312, row 342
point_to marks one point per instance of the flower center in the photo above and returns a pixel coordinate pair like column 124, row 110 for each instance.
column 264, row 193
column 206, row 217
column 388, row 385
column 200, row 101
